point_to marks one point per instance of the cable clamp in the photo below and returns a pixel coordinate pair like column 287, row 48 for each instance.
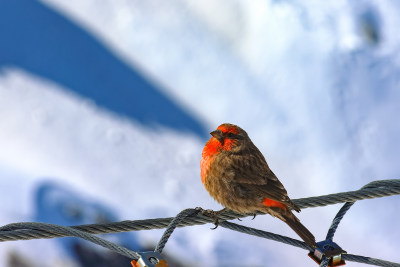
column 149, row 259
column 330, row 250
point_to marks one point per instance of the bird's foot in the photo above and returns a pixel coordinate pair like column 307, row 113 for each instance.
column 254, row 216
column 213, row 214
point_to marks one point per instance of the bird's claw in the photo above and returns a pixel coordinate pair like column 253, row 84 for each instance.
column 254, row 216
column 216, row 223
column 212, row 214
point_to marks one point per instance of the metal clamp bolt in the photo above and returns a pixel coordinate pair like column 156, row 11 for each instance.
column 331, row 251
column 149, row 259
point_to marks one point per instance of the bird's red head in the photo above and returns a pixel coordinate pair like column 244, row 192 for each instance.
column 225, row 138
column 229, row 128
column 227, row 135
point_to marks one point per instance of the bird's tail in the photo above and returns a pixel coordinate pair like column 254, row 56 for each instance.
column 290, row 219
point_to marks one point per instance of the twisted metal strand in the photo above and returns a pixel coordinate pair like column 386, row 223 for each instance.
column 68, row 231
column 337, row 220
column 324, row 262
column 371, row 190
column 25, row 231
column 368, row 260
column 265, row 234
column 171, row 227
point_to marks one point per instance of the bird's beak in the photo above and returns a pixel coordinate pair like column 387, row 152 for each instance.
column 218, row 135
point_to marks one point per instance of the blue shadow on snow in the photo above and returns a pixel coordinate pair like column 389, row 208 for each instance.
column 41, row 41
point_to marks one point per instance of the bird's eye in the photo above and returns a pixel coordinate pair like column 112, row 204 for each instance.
column 230, row 135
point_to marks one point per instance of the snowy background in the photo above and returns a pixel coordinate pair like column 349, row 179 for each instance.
column 105, row 108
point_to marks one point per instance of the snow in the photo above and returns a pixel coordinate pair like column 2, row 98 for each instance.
column 314, row 84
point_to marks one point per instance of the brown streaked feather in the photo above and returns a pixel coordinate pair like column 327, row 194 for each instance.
column 237, row 175
column 290, row 219
column 251, row 169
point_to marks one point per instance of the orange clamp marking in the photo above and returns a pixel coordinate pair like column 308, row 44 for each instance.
column 161, row 263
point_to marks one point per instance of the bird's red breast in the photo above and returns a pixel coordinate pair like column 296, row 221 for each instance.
column 210, row 150
column 213, row 147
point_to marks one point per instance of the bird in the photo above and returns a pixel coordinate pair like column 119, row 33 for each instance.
column 236, row 174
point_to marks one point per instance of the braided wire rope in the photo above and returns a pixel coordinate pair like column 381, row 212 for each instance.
column 188, row 217
column 265, row 234
column 303, row 245
column 339, row 216
column 68, row 231
column 171, row 227
column 324, row 262
column 337, row 220
column 374, row 189
column 368, row 260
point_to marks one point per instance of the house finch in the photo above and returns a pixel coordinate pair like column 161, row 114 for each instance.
column 236, row 174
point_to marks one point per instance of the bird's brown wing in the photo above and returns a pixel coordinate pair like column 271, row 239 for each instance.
column 250, row 170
